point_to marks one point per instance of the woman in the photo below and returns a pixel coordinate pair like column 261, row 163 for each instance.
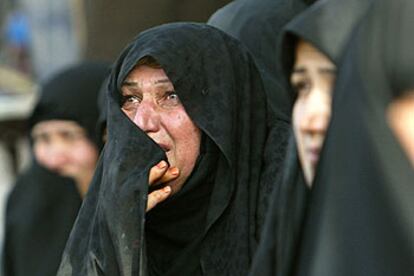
column 312, row 46
column 46, row 198
column 361, row 212
column 186, row 97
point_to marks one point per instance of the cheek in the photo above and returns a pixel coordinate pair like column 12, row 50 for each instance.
column 41, row 153
column 84, row 154
column 298, row 116
column 185, row 134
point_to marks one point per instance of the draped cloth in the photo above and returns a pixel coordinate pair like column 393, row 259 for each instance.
column 361, row 214
column 326, row 25
column 222, row 92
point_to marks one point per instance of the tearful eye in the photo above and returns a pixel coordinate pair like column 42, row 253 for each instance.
column 172, row 96
column 130, row 101
column 170, row 100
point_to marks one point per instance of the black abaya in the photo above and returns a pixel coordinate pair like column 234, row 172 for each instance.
column 361, row 212
column 43, row 206
column 222, row 92
column 327, row 26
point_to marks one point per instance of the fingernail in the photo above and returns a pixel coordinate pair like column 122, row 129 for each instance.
column 162, row 164
column 175, row 171
column 167, row 189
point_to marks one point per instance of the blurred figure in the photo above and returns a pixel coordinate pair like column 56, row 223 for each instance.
column 17, row 98
column 56, row 29
column 17, row 42
column 45, row 201
column 312, row 47
column 361, row 213
column 258, row 25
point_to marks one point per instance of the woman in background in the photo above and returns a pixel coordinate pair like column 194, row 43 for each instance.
column 46, row 198
column 361, row 214
column 312, row 46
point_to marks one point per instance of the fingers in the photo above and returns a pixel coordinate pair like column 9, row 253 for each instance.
column 162, row 173
column 158, row 196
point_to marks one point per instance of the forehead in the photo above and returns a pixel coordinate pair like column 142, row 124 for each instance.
column 144, row 75
column 307, row 54
column 56, row 126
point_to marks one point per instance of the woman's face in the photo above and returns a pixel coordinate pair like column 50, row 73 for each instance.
column 150, row 101
column 62, row 146
column 401, row 119
column 312, row 78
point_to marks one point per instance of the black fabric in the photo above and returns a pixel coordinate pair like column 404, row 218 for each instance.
column 361, row 211
column 43, row 206
column 185, row 211
column 327, row 25
column 72, row 94
column 258, row 25
column 283, row 225
column 222, row 92
column 40, row 213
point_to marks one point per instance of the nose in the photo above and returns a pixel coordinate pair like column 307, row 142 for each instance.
column 57, row 156
column 318, row 113
column 146, row 117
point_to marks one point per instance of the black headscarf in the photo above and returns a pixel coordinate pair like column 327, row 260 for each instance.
column 258, row 25
column 43, row 206
column 222, row 92
column 72, row 94
column 361, row 219
column 327, row 26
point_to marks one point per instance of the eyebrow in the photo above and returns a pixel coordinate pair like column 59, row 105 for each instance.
column 323, row 70
column 134, row 83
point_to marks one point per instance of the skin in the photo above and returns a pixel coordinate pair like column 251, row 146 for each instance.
column 63, row 147
column 400, row 115
column 150, row 102
column 313, row 77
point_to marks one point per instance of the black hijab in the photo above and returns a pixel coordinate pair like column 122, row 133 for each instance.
column 361, row 213
column 72, row 94
column 43, row 206
column 326, row 25
column 258, row 25
column 222, row 92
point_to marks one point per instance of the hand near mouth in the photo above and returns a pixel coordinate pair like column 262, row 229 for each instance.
column 160, row 173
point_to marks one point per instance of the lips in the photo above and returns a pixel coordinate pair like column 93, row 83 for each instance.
column 313, row 154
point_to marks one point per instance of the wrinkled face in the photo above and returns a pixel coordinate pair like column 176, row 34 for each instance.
column 401, row 119
column 313, row 78
column 62, row 146
column 150, row 102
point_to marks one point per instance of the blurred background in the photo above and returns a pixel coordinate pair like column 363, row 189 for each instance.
column 40, row 37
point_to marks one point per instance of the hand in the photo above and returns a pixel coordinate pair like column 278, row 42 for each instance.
column 160, row 173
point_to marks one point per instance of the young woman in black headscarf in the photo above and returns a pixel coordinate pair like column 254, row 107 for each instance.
column 186, row 97
column 361, row 212
column 312, row 46
column 43, row 206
